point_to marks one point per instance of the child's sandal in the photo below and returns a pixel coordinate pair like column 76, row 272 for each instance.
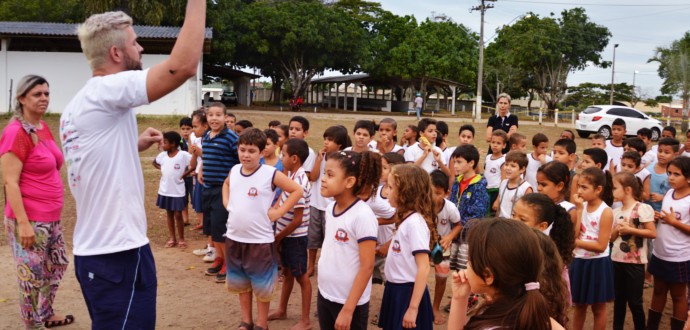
column 245, row 326
column 171, row 243
column 182, row 245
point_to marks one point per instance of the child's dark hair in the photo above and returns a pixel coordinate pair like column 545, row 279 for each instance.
column 186, row 121
column 393, row 123
column 572, row 134
column 466, row 127
column 273, row 123
column 285, row 129
column 599, row 178
column 368, row 125
column 253, row 136
column 394, row 158
column 683, row 164
column 554, row 215
column 220, row 106
column 630, row 180
column 671, row 142
column 539, row 138
column 301, row 120
column 244, row 123
column 230, row 114
column 424, row 123
column 173, row 138
column 635, row 143
column 687, row 133
column 297, row 147
column 517, row 157
column 439, row 179
column 415, row 195
column 646, row 132
column 569, row 145
column 515, row 139
column 618, row 122
column 502, row 134
column 271, row 135
column 467, row 152
column 551, row 281
column 598, row 137
column 670, row 129
column 200, row 115
column 598, row 156
column 442, row 129
column 415, row 130
column 512, row 267
column 338, row 134
column 634, row 156
column 365, row 167
column 557, row 173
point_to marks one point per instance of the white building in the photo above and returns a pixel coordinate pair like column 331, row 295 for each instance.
column 52, row 50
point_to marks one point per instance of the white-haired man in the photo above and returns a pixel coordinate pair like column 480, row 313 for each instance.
column 113, row 260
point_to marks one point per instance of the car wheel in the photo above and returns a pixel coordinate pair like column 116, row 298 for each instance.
column 655, row 134
column 605, row 131
column 583, row 134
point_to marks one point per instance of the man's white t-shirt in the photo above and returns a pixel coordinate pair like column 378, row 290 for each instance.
column 99, row 135
column 533, row 165
column 172, row 168
column 412, row 237
column 415, row 152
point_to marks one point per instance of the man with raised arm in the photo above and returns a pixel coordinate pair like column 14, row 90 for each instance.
column 98, row 128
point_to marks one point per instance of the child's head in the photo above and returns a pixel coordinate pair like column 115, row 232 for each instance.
column 540, row 142
column 427, row 128
column 518, row 142
column 294, row 153
column 388, row 128
column 283, row 131
column 442, row 129
column 273, row 124
column 298, row 127
column 551, row 282
column 230, row 120
column 410, row 191
column 626, row 184
column 593, row 184
column 515, row 164
column 504, row 272
column 564, row 151
column 185, row 127
column 553, row 180
column 271, row 143
column 411, row 134
column 242, row 125
column 668, row 147
column 567, row 134
column 364, row 131
column 388, row 160
column 251, row 146
column 594, row 157
column 678, row 171
column 466, row 134
column 351, row 173
column 171, row 141
column 598, row 141
column 199, row 123
column 687, row 140
column 498, row 142
column 215, row 115
column 439, row 186
column 669, row 131
column 466, row 159
column 618, row 129
column 540, row 212
column 630, row 162
column 336, row 138
column 645, row 134
column 635, row 144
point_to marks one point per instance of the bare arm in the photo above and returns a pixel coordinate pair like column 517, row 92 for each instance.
column 294, row 224
column 410, row 317
column 457, row 318
column 602, row 242
column 646, row 189
column 316, row 170
column 156, row 165
column 489, row 131
column 294, row 191
column 226, row 192
column 184, row 58
column 149, row 137
column 366, row 267
column 11, row 171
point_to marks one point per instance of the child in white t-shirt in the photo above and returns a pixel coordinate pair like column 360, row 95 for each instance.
column 174, row 165
column 493, row 165
column 424, row 153
column 631, row 162
column 513, row 187
column 537, row 158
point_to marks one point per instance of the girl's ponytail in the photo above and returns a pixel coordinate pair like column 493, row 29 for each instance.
column 629, row 180
column 534, row 309
column 607, row 192
column 563, row 234
column 369, row 174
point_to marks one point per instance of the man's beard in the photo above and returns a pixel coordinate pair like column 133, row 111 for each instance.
column 132, row 64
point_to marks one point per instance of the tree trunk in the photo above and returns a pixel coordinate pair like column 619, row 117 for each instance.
column 277, row 89
column 530, row 97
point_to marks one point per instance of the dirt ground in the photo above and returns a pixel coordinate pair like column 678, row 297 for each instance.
column 186, row 298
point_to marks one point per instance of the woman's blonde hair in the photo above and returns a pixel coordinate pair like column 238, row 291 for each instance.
column 503, row 96
column 415, row 195
column 26, row 84
column 100, row 32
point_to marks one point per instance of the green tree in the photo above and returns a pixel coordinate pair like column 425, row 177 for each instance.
column 550, row 48
column 146, row 12
column 65, row 11
column 674, row 68
column 587, row 94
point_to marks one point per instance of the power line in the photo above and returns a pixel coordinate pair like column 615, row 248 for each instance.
column 599, row 4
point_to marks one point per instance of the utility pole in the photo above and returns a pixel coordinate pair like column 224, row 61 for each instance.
column 480, row 69
column 613, row 71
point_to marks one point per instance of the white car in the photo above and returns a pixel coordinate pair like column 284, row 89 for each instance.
column 598, row 119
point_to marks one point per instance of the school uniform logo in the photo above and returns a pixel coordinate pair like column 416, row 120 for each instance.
column 341, row 236
column 493, row 170
column 434, row 164
column 177, row 166
column 443, row 221
column 252, row 192
column 396, row 246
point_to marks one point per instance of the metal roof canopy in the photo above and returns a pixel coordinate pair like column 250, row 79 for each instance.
column 227, row 72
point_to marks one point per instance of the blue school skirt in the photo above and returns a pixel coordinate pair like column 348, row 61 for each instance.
column 196, row 196
column 591, row 281
column 669, row 271
column 171, row 203
column 396, row 300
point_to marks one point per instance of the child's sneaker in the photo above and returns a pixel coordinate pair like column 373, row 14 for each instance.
column 217, row 266
column 202, row 252
column 220, row 277
column 210, row 256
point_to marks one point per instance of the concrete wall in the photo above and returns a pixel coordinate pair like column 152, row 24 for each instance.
column 68, row 72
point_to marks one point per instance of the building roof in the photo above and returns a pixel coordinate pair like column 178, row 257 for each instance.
column 70, row 29
column 366, row 79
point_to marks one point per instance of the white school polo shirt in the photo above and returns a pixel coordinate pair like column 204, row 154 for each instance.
column 412, row 237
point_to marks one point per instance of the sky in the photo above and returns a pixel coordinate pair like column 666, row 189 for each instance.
column 637, row 26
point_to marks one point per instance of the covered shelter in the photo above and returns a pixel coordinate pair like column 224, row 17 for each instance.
column 241, row 81
column 392, row 94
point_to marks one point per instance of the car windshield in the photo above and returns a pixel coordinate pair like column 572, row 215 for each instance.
column 590, row 110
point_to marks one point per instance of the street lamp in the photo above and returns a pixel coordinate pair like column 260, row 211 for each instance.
column 613, row 70
column 633, row 85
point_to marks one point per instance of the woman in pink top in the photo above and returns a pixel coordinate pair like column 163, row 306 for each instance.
column 31, row 161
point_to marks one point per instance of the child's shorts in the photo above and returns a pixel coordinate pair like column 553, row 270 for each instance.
column 315, row 231
column 293, row 255
column 251, row 267
column 668, row 271
column 591, row 281
column 188, row 189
